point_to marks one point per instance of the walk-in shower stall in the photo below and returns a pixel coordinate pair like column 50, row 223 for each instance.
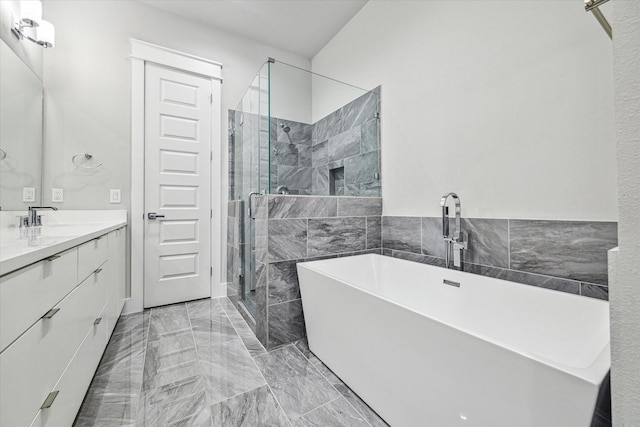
column 295, row 133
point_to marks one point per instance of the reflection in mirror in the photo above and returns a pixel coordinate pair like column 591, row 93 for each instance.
column 20, row 132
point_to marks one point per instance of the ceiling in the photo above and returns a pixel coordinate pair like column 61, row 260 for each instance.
column 299, row 26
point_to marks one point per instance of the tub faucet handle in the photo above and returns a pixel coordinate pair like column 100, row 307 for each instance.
column 459, row 246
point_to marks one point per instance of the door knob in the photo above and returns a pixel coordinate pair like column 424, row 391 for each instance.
column 153, row 215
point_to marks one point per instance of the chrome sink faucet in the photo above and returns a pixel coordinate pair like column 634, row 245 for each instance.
column 456, row 243
column 33, row 219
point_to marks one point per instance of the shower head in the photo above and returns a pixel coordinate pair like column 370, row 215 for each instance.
column 285, row 128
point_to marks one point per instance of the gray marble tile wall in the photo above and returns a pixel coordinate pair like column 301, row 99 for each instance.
column 291, row 156
column 346, row 149
column 291, row 229
column 569, row 256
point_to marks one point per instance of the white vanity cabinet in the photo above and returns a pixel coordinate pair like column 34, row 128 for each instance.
column 117, row 271
column 57, row 317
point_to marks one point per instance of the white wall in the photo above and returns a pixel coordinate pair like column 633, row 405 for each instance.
column 87, row 77
column 290, row 86
column 509, row 104
column 87, row 98
column 624, row 293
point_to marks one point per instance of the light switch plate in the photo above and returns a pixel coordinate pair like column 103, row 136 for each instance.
column 114, row 195
column 28, row 194
column 57, row 195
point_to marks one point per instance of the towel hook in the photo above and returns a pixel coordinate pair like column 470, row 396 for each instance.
column 87, row 156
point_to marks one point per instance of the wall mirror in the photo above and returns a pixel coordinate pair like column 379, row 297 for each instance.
column 21, row 97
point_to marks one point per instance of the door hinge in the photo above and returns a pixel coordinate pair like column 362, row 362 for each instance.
column 211, row 271
column 212, row 155
column 211, row 213
column 211, row 98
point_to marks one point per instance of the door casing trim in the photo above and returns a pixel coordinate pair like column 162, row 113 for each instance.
column 142, row 52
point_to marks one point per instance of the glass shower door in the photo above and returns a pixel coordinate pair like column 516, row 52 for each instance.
column 251, row 176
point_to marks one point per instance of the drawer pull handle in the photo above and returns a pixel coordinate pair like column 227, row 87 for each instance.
column 98, row 270
column 53, row 257
column 49, row 314
column 97, row 321
column 100, row 237
column 49, row 400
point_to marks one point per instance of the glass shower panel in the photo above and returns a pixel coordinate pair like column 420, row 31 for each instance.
column 295, row 132
column 250, row 162
column 325, row 136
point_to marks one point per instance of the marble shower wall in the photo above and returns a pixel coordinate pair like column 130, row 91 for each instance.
column 291, row 229
column 345, row 156
column 338, row 155
column 569, row 256
column 291, row 156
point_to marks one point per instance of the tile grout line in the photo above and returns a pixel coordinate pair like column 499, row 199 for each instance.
column 366, row 233
column 322, row 256
column 331, row 384
column 267, row 259
column 307, row 229
column 324, row 404
column 509, row 243
column 321, row 217
column 421, row 236
column 382, row 233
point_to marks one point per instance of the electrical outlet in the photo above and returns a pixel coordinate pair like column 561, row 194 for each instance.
column 114, row 195
column 28, row 194
column 57, row 195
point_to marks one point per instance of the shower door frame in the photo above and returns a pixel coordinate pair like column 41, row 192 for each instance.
column 259, row 157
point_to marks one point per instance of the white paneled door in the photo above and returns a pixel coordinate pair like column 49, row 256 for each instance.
column 177, row 186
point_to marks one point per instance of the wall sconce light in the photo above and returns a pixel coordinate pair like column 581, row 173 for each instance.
column 31, row 17
column 592, row 6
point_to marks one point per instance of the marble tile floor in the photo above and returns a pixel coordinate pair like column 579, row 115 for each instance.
column 199, row 364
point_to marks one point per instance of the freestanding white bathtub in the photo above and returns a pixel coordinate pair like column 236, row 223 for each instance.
column 486, row 353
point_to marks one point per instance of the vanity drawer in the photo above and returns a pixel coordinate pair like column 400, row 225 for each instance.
column 91, row 255
column 73, row 384
column 31, row 366
column 27, row 294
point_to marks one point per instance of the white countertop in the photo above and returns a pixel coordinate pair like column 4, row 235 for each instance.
column 61, row 230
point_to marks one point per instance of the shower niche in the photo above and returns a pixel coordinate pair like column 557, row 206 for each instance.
column 293, row 133
column 336, row 181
